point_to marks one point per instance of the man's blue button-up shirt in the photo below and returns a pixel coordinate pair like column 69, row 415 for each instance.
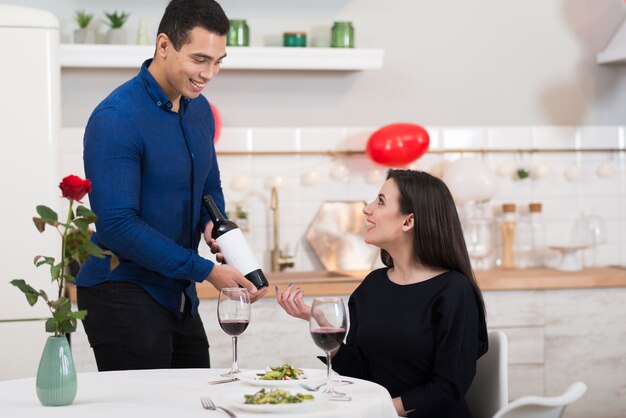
column 149, row 169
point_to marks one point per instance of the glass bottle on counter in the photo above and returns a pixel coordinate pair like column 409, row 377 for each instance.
column 507, row 229
column 478, row 232
column 524, row 242
column 539, row 234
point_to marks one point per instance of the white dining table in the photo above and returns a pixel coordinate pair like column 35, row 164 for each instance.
column 169, row 393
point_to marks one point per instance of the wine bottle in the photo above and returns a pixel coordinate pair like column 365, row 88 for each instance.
column 233, row 245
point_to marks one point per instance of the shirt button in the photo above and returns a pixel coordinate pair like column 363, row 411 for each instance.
column 193, row 156
column 169, row 105
column 158, row 103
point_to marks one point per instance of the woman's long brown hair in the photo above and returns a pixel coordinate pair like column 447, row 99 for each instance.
column 438, row 240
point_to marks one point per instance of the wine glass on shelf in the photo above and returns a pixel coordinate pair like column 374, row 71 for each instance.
column 328, row 325
column 233, row 314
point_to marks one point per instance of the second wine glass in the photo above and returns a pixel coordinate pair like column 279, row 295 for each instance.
column 233, row 314
column 328, row 324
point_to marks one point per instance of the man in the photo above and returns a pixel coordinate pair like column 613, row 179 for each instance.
column 148, row 150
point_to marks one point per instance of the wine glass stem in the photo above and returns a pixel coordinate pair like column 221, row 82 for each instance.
column 329, row 368
column 235, row 367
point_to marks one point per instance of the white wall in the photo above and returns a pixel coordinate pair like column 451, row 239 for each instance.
column 562, row 200
column 485, row 62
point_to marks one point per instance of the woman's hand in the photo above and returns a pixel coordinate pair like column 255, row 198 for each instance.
column 397, row 403
column 291, row 300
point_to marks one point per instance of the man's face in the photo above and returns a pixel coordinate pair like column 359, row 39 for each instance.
column 196, row 63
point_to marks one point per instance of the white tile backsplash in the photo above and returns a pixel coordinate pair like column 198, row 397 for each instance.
column 563, row 200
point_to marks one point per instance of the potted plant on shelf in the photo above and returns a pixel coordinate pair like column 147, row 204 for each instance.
column 84, row 35
column 117, row 34
column 56, row 376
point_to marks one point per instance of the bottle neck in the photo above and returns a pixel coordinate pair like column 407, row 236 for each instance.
column 216, row 215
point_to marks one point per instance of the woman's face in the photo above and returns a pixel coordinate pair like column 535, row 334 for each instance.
column 385, row 224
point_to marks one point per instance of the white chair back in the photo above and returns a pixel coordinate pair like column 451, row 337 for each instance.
column 542, row 407
column 490, row 389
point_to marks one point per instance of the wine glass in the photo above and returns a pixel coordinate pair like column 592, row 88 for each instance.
column 328, row 325
column 233, row 314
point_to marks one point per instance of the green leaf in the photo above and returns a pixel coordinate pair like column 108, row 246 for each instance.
column 94, row 250
column 63, row 307
column 50, row 325
column 82, row 224
column 47, row 214
column 55, row 271
column 43, row 295
column 87, row 214
column 70, row 278
column 59, row 303
column 67, row 325
column 39, row 223
column 79, row 314
column 31, row 294
column 42, row 259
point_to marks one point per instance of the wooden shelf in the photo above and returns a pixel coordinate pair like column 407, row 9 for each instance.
column 239, row 58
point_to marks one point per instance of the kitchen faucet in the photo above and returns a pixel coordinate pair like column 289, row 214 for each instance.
column 280, row 261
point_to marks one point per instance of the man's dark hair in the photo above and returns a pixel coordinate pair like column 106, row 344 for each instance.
column 181, row 16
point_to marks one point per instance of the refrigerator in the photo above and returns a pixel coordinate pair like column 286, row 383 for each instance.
column 29, row 131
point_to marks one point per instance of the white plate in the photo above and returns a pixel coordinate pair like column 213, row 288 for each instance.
column 311, row 377
column 236, row 401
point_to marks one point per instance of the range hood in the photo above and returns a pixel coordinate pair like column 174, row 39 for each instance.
column 615, row 51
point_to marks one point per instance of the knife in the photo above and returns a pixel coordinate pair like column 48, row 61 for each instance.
column 217, row 382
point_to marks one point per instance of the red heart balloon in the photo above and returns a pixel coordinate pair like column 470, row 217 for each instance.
column 397, row 144
column 218, row 123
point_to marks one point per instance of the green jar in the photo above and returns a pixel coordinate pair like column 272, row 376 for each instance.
column 294, row 39
column 238, row 34
column 342, row 35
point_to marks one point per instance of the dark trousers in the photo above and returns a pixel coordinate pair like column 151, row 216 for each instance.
column 128, row 329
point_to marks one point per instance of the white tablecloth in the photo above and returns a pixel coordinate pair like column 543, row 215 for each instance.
column 174, row 393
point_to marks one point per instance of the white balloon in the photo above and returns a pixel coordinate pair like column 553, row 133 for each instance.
column 470, row 180
column 339, row 172
column 605, row 169
column 375, row 177
column 311, row 178
column 572, row 172
column 539, row 171
column 276, row 181
column 506, row 169
column 239, row 184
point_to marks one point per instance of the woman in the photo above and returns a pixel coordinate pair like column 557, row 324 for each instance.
column 417, row 326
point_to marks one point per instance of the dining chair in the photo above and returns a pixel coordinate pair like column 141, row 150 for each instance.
column 542, row 406
column 489, row 391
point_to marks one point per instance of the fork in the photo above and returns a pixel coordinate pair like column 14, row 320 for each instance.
column 207, row 403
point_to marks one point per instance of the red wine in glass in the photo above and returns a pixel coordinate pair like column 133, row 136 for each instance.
column 234, row 327
column 233, row 314
column 328, row 324
column 328, row 338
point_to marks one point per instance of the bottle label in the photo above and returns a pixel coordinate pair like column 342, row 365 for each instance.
column 237, row 252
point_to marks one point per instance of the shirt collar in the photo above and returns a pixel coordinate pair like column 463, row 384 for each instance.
column 155, row 91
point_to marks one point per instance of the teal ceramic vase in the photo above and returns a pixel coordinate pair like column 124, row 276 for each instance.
column 56, row 376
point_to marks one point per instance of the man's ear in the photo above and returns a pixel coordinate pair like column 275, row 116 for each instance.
column 409, row 223
column 162, row 42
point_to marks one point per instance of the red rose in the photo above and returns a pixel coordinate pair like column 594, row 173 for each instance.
column 75, row 188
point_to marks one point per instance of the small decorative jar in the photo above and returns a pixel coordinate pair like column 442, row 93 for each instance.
column 239, row 33
column 294, row 39
column 342, row 35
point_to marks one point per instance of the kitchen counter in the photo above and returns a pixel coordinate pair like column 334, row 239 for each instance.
column 317, row 283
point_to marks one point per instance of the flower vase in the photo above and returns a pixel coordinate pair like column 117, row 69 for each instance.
column 56, row 376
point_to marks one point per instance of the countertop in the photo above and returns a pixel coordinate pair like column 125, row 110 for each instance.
column 317, row 283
